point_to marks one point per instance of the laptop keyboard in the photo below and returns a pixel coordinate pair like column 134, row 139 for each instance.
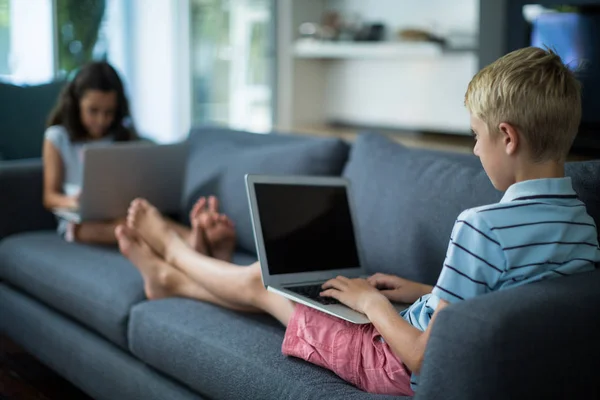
column 312, row 292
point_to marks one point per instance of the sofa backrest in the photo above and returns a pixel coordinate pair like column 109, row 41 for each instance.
column 23, row 116
column 219, row 159
column 407, row 201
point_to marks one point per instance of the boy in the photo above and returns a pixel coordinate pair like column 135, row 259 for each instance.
column 525, row 110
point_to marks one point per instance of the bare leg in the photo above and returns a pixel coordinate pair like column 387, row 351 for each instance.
column 181, row 230
column 96, row 232
column 160, row 279
column 238, row 285
column 241, row 286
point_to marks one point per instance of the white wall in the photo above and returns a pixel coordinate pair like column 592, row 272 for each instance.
column 441, row 16
column 422, row 93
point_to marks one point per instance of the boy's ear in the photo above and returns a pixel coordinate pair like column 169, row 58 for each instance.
column 510, row 137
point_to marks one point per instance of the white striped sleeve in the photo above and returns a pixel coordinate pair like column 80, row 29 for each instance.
column 474, row 260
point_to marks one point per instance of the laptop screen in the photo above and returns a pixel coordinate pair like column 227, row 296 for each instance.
column 306, row 228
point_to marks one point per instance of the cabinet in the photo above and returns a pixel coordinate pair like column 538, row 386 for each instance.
column 417, row 86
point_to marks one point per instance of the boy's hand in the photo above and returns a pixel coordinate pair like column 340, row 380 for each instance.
column 398, row 289
column 357, row 294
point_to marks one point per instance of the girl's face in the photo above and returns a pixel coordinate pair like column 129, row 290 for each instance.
column 97, row 110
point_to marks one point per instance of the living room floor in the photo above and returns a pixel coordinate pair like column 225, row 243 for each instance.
column 23, row 377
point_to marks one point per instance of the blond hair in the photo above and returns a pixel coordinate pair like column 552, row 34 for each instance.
column 533, row 90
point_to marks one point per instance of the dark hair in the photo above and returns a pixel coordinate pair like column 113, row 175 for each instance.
column 93, row 76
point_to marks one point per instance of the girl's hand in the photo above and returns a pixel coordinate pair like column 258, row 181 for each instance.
column 357, row 294
column 73, row 202
column 398, row 289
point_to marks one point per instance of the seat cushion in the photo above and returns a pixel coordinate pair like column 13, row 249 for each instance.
column 87, row 360
column 219, row 159
column 228, row 355
column 94, row 285
column 408, row 199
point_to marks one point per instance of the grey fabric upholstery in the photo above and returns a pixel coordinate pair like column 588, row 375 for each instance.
column 586, row 182
column 228, row 355
column 95, row 285
column 23, row 118
column 537, row 341
column 406, row 204
column 220, row 158
column 407, row 201
column 93, row 364
column 243, row 258
column 81, row 309
column 21, row 184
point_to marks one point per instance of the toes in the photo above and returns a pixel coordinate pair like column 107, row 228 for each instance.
column 207, row 220
column 213, row 204
column 126, row 233
column 125, row 239
column 226, row 220
column 136, row 206
column 198, row 208
column 131, row 214
column 139, row 205
column 143, row 203
column 136, row 203
column 120, row 232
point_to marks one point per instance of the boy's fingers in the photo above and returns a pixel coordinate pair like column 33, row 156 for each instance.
column 330, row 293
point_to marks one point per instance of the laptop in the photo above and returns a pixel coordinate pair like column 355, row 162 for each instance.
column 115, row 175
column 305, row 234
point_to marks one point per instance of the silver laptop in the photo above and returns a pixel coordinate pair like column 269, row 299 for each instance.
column 115, row 175
column 305, row 235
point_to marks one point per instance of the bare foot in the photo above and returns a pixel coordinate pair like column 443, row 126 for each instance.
column 197, row 238
column 150, row 225
column 219, row 231
column 153, row 269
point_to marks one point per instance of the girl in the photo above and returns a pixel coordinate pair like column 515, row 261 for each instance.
column 91, row 110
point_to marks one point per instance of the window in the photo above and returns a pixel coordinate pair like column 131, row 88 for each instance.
column 79, row 35
column 232, row 63
column 4, row 36
column 26, row 45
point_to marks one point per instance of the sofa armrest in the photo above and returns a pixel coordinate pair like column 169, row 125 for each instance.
column 537, row 341
column 21, row 191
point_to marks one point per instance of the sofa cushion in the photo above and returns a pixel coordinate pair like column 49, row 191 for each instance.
column 220, row 158
column 23, row 118
column 227, row 355
column 94, row 285
column 407, row 201
column 529, row 332
column 86, row 359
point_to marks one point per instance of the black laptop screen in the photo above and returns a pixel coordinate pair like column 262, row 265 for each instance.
column 306, row 228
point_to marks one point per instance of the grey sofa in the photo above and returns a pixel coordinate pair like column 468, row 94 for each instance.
column 81, row 309
column 23, row 118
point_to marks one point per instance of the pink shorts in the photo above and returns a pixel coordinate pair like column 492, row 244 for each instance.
column 354, row 352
